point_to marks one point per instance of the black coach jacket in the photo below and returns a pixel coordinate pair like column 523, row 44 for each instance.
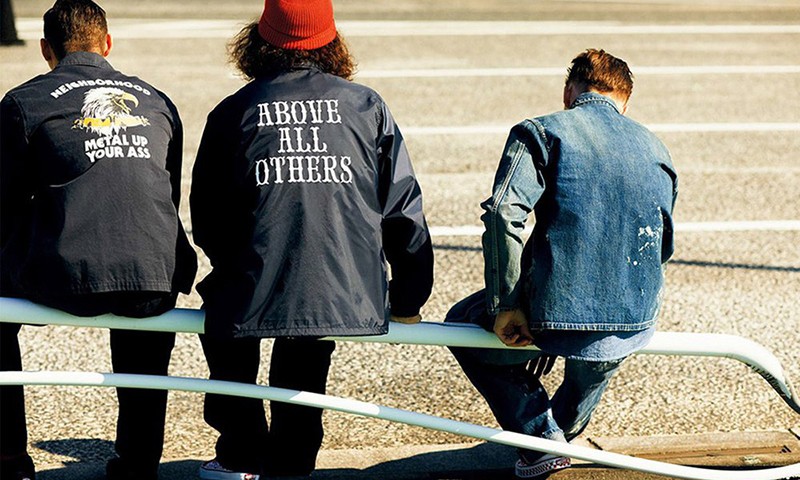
column 90, row 167
column 302, row 190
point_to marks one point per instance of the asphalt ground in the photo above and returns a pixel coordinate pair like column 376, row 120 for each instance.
column 718, row 83
column 489, row 461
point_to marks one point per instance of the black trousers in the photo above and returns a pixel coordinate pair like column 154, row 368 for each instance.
column 288, row 446
column 13, row 433
column 140, row 421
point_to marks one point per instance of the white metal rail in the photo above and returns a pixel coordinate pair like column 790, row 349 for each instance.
column 191, row 321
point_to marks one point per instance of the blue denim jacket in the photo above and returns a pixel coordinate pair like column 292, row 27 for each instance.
column 602, row 188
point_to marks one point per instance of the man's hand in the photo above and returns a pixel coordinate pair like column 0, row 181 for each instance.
column 407, row 320
column 512, row 328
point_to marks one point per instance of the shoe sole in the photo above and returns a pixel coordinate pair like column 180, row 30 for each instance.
column 541, row 469
column 217, row 475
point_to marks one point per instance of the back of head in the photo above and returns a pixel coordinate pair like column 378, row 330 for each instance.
column 75, row 26
column 601, row 72
column 291, row 34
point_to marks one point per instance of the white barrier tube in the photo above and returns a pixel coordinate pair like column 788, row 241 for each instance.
column 17, row 310
column 393, row 414
column 758, row 358
column 752, row 354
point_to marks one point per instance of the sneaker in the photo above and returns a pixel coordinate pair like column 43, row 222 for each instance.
column 541, row 468
column 18, row 468
column 213, row 470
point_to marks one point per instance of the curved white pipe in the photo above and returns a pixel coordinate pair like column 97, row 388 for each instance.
column 392, row 414
column 758, row 358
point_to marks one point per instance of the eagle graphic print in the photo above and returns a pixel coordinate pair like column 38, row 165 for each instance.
column 107, row 111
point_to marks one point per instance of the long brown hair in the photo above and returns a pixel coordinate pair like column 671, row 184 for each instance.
column 256, row 58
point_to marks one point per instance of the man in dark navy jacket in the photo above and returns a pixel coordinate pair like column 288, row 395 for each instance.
column 90, row 170
column 302, row 190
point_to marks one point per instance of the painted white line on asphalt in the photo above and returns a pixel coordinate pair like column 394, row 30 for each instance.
column 655, row 127
column 561, row 71
column 31, row 28
column 761, row 3
column 505, row 28
column 776, row 170
column 725, row 127
column 743, row 226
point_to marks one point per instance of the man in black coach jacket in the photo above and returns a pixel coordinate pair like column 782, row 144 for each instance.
column 90, row 170
column 301, row 191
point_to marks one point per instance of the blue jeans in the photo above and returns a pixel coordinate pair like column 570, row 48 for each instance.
column 520, row 402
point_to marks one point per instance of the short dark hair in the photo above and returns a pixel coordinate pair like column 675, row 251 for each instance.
column 601, row 71
column 74, row 26
column 254, row 57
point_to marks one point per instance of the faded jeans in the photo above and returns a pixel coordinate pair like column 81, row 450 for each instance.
column 520, row 402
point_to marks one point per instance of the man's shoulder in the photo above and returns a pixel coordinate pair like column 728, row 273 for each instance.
column 237, row 102
column 643, row 132
column 318, row 87
column 542, row 124
column 29, row 88
column 575, row 116
column 545, row 125
column 559, row 116
column 62, row 80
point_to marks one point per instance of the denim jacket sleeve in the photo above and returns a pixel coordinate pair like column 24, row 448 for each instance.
column 518, row 185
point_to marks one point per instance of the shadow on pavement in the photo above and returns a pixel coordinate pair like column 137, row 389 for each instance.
column 485, row 461
column 81, row 450
column 177, row 470
column 482, row 461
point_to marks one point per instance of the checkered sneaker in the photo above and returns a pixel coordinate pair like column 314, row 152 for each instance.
column 542, row 467
column 213, row 470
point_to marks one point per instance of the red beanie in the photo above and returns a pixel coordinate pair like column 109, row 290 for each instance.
column 297, row 24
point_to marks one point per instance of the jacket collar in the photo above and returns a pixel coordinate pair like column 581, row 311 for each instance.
column 84, row 58
column 593, row 97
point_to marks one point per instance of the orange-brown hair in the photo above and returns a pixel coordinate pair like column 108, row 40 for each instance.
column 602, row 72
column 75, row 26
column 256, row 58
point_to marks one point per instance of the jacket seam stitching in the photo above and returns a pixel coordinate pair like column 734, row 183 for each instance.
column 494, row 240
column 541, row 132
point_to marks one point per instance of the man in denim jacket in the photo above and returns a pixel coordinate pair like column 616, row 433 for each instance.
column 587, row 284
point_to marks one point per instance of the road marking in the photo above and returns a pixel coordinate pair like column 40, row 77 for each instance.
column 31, row 28
column 655, row 127
column 725, row 127
column 740, row 226
column 784, row 169
column 703, row 227
column 561, row 71
column 506, row 28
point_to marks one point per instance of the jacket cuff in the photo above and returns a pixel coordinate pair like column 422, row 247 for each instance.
column 404, row 310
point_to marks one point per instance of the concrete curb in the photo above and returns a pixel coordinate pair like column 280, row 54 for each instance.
column 478, row 461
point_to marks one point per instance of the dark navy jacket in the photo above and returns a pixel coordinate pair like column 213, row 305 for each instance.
column 90, row 165
column 302, row 190
column 602, row 189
